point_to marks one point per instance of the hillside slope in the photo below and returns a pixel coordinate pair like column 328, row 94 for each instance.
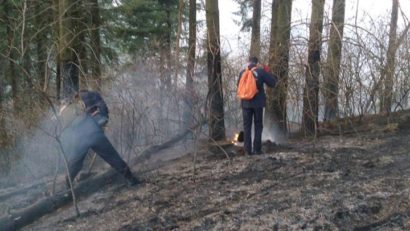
column 357, row 182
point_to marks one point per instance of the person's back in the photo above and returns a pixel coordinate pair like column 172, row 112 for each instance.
column 262, row 77
column 252, row 109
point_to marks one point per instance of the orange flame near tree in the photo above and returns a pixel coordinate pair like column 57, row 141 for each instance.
column 235, row 138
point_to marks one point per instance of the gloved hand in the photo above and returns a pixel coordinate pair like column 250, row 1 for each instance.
column 266, row 68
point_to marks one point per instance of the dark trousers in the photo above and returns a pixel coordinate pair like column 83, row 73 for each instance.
column 252, row 115
column 103, row 147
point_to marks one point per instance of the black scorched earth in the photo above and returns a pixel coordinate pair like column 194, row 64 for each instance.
column 359, row 181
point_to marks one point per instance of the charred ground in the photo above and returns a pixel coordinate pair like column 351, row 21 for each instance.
column 359, row 181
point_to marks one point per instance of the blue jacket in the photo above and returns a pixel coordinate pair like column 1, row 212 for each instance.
column 262, row 77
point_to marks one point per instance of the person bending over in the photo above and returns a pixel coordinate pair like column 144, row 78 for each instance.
column 81, row 132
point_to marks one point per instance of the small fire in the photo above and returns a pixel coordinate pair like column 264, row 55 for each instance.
column 235, row 138
column 238, row 138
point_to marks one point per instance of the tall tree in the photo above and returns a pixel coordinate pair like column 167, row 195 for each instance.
column 256, row 29
column 11, row 73
column 4, row 137
column 181, row 6
column 95, row 45
column 334, row 56
column 311, row 90
column 56, row 35
column 388, row 72
column 189, row 87
column 68, row 41
column 167, row 49
column 216, row 104
column 279, row 61
column 42, row 22
column 166, row 53
column 80, row 24
column 3, row 130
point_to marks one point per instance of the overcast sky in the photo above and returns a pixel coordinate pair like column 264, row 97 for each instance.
column 301, row 13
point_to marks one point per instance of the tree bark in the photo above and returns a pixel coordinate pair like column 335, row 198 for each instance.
column 168, row 46
column 255, row 49
column 69, row 59
column 4, row 137
column 331, row 88
column 189, row 87
column 389, row 67
column 11, row 74
column 95, row 45
column 181, row 6
column 42, row 20
column 3, row 131
column 276, row 112
column 216, row 113
column 80, row 24
column 311, row 90
column 56, row 35
column 165, row 68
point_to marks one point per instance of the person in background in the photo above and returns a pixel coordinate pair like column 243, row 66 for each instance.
column 252, row 110
column 82, row 132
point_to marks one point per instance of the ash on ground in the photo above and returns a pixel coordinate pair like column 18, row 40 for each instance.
column 358, row 182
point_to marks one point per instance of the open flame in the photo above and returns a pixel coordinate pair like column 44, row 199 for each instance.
column 235, row 138
column 238, row 138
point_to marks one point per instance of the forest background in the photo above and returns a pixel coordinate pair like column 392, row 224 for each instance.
column 166, row 65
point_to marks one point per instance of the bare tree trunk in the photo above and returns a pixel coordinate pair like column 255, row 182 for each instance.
column 95, row 45
column 165, row 70
column 57, row 37
column 11, row 73
column 69, row 58
column 276, row 112
column 270, row 118
column 58, row 77
column 311, row 91
column 80, row 25
column 4, row 138
column 273, row 32
column 390, row 60
column 256, row 29
column 331, row 88
column 181, row 6
column 42, row 18
column 216, row 104
column 26, row 60
column 168, row 46
column 189, row 87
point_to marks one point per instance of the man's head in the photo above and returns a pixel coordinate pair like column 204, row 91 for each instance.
column 253, row 60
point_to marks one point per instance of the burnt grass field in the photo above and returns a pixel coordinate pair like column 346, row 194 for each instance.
column 358, row 181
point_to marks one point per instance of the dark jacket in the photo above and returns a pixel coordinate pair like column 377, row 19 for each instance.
column 262, row 77
column 82, row 134
column 93, row 101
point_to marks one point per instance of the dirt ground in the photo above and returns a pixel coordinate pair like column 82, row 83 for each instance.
column 355, row 182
